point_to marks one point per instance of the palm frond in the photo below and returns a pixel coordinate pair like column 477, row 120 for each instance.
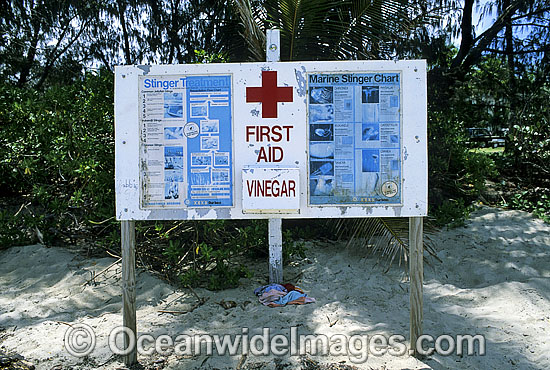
column 330, row 29
column 387, row 238
column 252, row 30
column 306, row 27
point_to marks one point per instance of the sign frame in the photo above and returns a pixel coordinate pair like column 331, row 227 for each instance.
column 413, row 137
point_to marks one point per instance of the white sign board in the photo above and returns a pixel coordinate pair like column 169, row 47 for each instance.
column 260, row 140
column 271, row 190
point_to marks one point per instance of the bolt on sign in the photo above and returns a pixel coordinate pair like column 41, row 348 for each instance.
column 296, row 140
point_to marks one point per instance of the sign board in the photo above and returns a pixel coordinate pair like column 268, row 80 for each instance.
column 260, row 140
column 271, row 190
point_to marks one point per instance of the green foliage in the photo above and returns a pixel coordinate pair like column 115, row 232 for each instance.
column 452, row 213
column 190, row 278
column 477, row 168
column 202, row 56
column 41, row 40
column 225, row 276
column 529, row 136
column 13, row 229
column 207, row 253
column 536, row 201
column 291, row 247
column 455, row 171
column 519, row 103
column 480, row 101
column 204, row 252
column 56, row 148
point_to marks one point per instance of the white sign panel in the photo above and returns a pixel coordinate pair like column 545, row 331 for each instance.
column 191, row 139
column 271, row 190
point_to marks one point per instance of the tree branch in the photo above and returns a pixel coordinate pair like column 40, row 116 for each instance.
column 536, row 12
column 34, row 27
column 482, row 41
column 52, row 60
column 122, row 19
column 519, row 52
column 467, row 34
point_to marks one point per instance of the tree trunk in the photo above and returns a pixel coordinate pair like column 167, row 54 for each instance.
column 122, row 18
column 31, row 54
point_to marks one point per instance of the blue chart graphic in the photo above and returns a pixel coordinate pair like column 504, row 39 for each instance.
column 210, row 182
column 354, row 138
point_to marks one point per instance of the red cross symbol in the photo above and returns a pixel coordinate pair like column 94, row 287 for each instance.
column 269, row 94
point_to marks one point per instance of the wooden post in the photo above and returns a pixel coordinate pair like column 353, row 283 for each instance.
column 273, row 45
column 275, row 251
column 128, row 241
column 273, row 54
column 416, row 271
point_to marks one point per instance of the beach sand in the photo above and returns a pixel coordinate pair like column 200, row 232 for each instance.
column 493, row 281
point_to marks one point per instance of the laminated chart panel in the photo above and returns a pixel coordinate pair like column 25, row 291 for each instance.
column 186, row 141
column 354, row 138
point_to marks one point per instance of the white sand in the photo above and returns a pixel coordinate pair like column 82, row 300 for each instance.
column 493, row 281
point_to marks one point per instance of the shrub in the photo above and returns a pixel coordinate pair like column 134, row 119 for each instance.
column 57, row 151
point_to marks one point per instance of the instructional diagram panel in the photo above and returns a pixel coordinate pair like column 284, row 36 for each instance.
column 186, row 152
column 354, row 131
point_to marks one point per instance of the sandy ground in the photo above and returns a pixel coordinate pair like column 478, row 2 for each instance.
column 494, row 281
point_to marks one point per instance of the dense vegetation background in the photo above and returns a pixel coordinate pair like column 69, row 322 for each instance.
column 488, row 68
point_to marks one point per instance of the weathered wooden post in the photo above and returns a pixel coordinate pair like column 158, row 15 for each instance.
column 273, row 54
column 128, row 241
column 416, row 271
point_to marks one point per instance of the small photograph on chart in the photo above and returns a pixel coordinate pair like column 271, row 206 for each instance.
column 173, row 160
column 321, row 150
column 321, row 186
column 348, row 105
column 320, row 95
column 321, row 113
column 173, row 163
column 210, row 142
column 394, row 101
column 371, row 94
column 199, row 177
column 321, row 168
column 220, row 175
column 369, row 183
column 173, row 151
column 173, row 133
column 394, row 165
column 201, row 159
column 221, row 159
column 210, row 126
column 173, row 105
column 199, row 110
column 173, row 176
column 171, row 190
column 370, row 132
column 321, row 132
column 370, row 160
column 370, row 113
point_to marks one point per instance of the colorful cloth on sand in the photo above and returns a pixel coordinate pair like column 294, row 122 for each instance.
column 277, row 295
column 271, row 296
column 293, row 297
column 290, row 288
column 267, row 288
